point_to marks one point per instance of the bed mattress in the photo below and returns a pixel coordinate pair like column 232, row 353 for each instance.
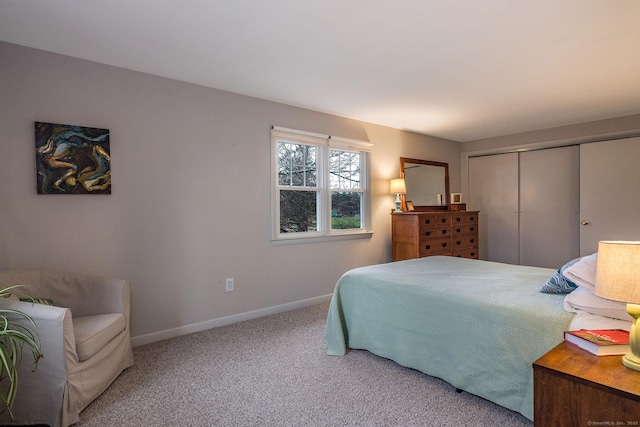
column 478, row 325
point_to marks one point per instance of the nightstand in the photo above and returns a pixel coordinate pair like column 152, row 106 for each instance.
column 573, row 387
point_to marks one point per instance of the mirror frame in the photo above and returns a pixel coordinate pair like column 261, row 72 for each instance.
column 447, row 194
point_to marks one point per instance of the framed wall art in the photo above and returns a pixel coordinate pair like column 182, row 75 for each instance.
column 72, row 159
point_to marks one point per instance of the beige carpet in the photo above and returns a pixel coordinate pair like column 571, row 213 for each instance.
column 274, row 371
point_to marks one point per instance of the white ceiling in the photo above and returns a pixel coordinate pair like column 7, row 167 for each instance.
column 457, row 69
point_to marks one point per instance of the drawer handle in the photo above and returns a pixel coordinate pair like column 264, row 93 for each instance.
column 458, row 230
column 471, row 218
column 444, row 245
column 473, row 254
column 472, row 229
column 473, row 240
column 458, row 219
column 427, row 247
column 458, row 242
column 427, row 221
column 444, row 232
column 427, row 233
column 444, row 220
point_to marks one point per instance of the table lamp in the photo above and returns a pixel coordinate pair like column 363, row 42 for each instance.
column 618, row 278
column 397, row 187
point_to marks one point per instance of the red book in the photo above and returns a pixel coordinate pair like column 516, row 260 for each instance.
column 601, row 342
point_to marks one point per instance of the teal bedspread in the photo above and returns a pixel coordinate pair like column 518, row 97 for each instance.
column 478, row 325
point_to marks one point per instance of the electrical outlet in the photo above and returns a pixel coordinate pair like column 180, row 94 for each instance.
column 229, row 284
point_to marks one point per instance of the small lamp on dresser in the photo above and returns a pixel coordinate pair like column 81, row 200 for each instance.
column 397, row 186
column 618, row 278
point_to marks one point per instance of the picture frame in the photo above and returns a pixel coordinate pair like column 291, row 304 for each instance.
column 72, row 159
column 456, row 198
column 410, row 207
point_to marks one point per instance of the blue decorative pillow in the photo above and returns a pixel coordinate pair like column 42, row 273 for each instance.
column 558, row 283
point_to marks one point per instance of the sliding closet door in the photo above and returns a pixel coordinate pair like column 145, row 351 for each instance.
column 493, row 190
column 529, row 206
column 549, row 206
column 610, row 192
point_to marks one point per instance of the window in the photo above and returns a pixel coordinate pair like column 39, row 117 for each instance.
column 320, row 186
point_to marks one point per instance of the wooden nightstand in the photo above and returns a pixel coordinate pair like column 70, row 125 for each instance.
column 573, row 387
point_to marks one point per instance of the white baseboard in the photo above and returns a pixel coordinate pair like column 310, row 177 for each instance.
column 222, row 321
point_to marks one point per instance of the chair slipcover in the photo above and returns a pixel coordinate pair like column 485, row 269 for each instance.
column 85, row 338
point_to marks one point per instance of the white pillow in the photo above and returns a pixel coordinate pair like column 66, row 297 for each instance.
column 584, row 320
column 585, row 300
column 583, row 272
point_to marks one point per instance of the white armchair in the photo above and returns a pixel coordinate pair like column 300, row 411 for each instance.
column 86, row 343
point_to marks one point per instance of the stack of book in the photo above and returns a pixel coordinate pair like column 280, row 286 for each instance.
column 601, row 342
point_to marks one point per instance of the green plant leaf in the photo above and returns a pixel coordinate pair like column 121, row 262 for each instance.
column 17, row 329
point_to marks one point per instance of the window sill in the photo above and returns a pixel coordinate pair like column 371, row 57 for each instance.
column 319, row 239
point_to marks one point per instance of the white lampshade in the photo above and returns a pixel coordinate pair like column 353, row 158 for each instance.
column 618, row 278
column 397, row 186
column 618, row 271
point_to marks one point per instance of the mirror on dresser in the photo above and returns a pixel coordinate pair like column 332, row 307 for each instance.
column 427, row 184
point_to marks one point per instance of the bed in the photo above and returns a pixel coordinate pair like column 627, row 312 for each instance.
column 478, row 325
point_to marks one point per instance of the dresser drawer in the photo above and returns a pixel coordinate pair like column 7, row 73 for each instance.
column 461, row 242
column 427, row 220
column 464, row 218
column 461, row 229
column 435, row 246
column 466, row 253
column 434, row 232
column 443, row 219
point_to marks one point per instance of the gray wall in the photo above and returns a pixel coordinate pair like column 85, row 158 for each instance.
column 191, row 193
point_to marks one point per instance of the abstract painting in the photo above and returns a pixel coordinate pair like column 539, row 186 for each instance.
column 72, row 159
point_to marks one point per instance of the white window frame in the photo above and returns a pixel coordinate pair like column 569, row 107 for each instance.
column 324, row 144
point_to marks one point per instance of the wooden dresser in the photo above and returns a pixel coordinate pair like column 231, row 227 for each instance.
column 420, row 234
column 573, row 387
